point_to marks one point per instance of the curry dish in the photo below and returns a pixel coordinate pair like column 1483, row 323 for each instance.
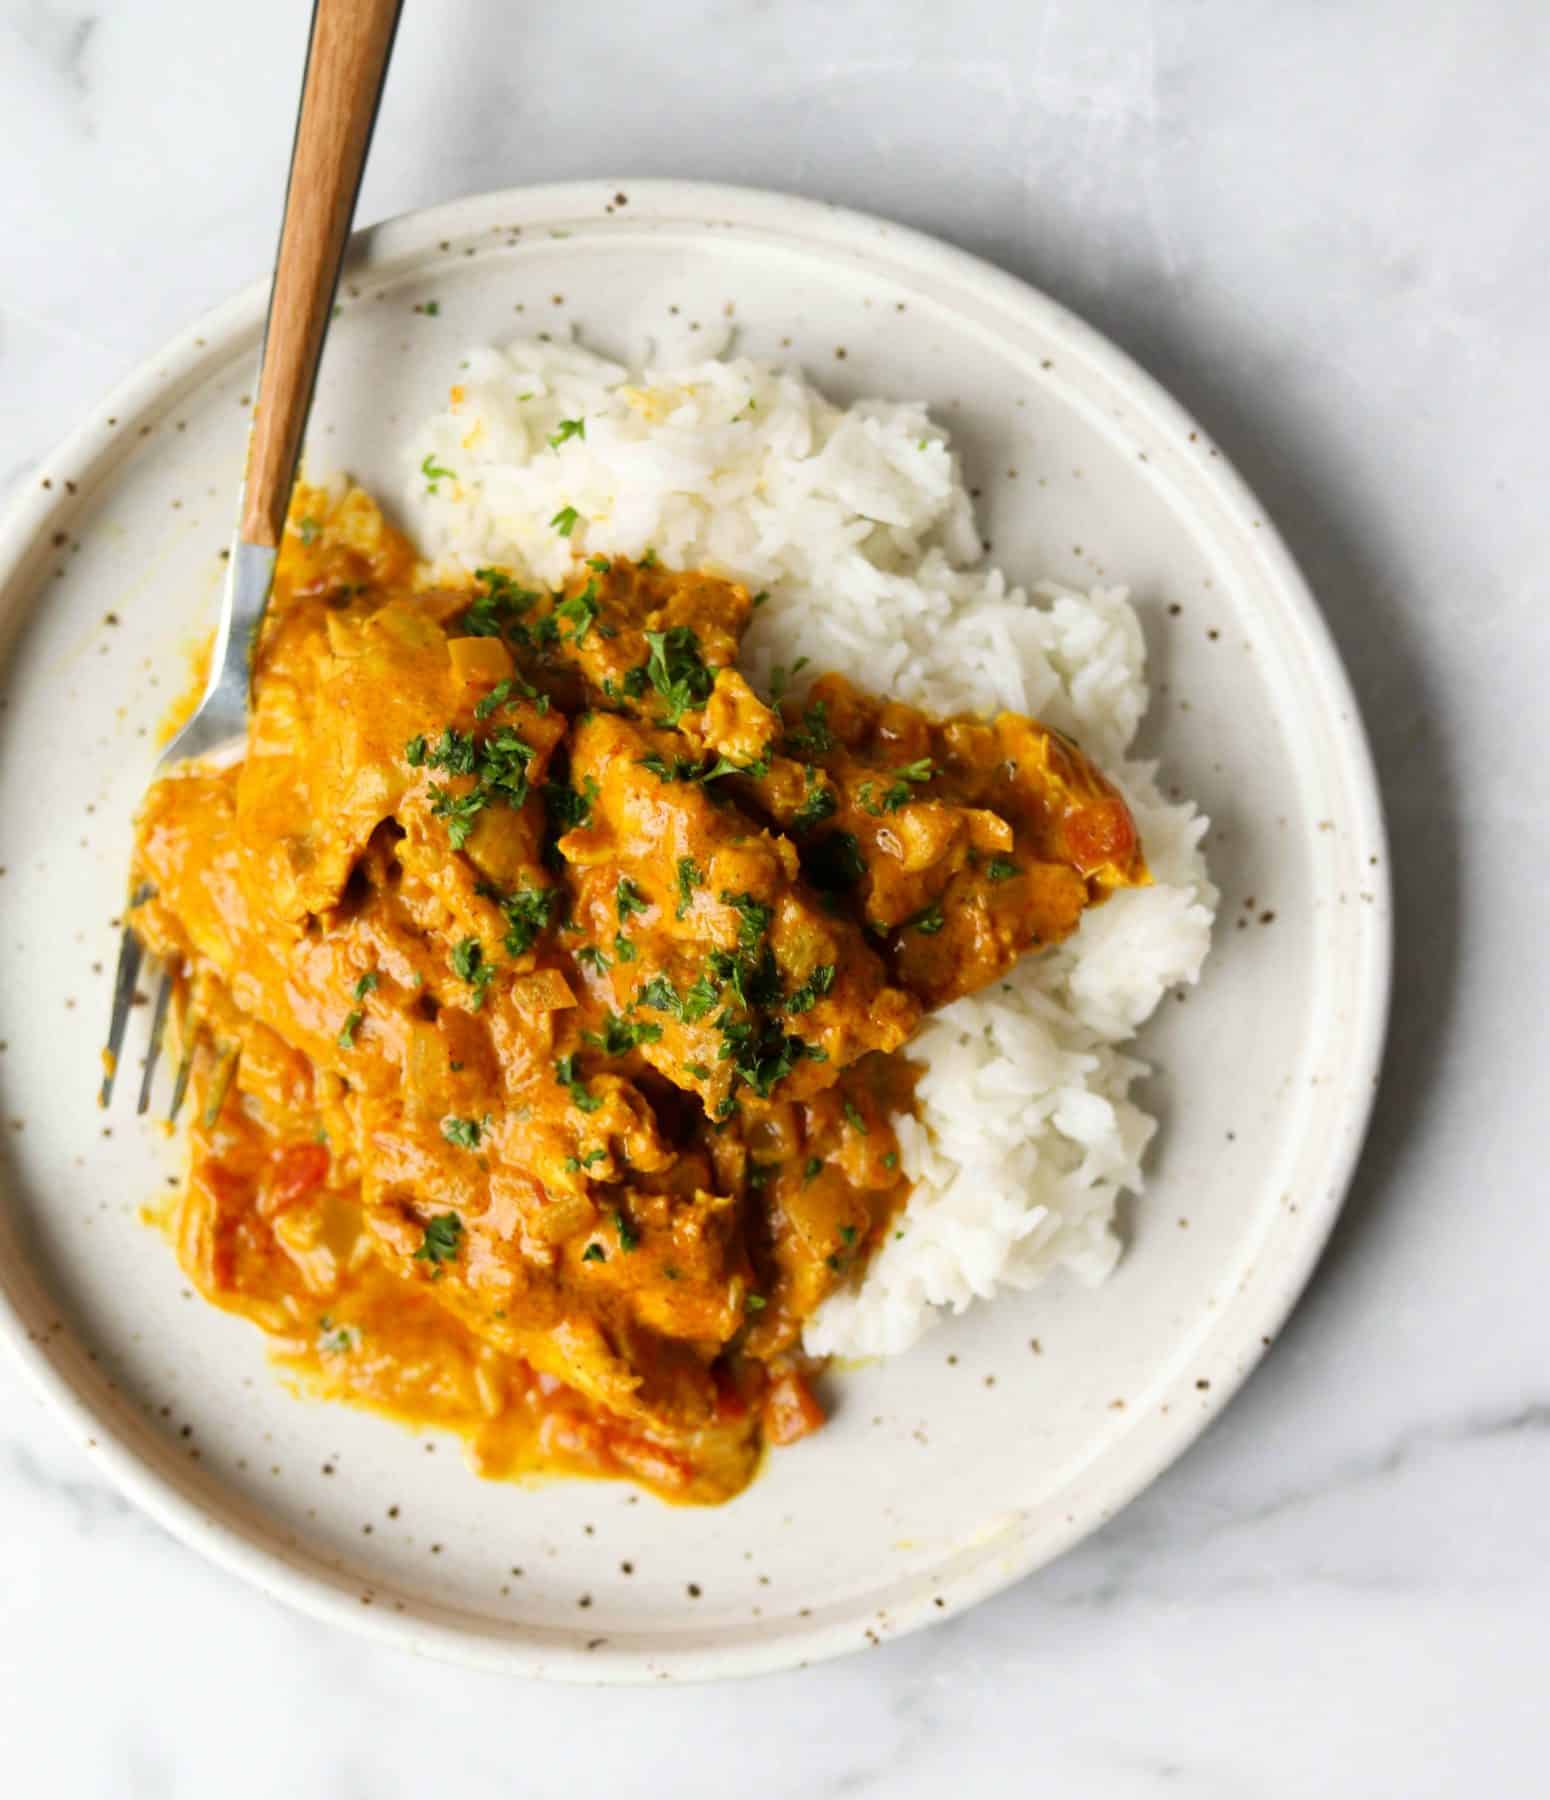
column 547, row 994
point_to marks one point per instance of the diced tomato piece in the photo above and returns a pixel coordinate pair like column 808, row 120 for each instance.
column 1100, row 831
column 298, row 1169
column 791, row 1410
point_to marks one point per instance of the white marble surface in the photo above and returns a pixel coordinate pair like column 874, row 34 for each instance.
column 1324, row 228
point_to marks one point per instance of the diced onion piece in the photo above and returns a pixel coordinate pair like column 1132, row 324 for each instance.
column 791, row 1409
column 545, row 990
column 480, row 661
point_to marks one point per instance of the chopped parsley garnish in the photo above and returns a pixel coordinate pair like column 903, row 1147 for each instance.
column 434, row 472
column 495, row 613
column 568, row 810
column 347, row 1031
column 698, row 1070
column 527, row 913
column 593, row 957
column 812, row 1168
column 753, row 920
column 565, row 1074
column 365, row 985
column 813, row 737
column 629, row 1237
column 501, row 693
column 470, row 964
column 443, row 1234
column 619, row 1036
column 755, row 1303
column 891, row 1160
column 564, row 521
column 1000, row 868
column 806, row 997
column 307, row 530
column 689, row 878
column 499, row 767
column 465, row 1133
column 855, row 1118
column 569, row 428
column 579, row 612
column 848, row 1234
column 928, row 921
column 623, row 948
column 760, row 1052
column 677, row 671
column 819, row 804
column 337, row 1340
column 575, row 1164
column 629, row 899
column 681, row 768
column 594, row 1253
column 600, row 563
column 660, row 994
column 898, row 792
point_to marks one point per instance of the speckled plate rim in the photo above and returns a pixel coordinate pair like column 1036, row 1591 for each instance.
column 88, row 458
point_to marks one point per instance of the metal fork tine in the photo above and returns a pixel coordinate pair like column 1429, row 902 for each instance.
column 185, row 1069
column 130, row 955
column 158, row 1032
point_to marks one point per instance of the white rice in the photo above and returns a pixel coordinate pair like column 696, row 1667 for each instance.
column 858, row 526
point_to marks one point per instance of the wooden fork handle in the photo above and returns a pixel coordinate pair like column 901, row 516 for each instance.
column 347, row 61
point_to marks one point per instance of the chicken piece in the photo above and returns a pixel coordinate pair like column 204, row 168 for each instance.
column 960, row 844
column 739, row 977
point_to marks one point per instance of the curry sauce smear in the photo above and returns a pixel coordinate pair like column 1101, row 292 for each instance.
column 546, row 993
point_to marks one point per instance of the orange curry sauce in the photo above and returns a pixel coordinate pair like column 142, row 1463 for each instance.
column 547, row 994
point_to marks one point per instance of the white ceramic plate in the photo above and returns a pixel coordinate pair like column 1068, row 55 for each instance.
column 1008, row 1434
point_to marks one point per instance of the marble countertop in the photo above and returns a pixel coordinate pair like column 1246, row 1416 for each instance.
column 1323, row 228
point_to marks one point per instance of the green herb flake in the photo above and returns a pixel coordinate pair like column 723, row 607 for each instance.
column 755, row 1303
column 347, row 1031
column 629, row 1237
column 928, row 921
column 434, row 472
column 891, row 1160
column 579, row 611
column 819, row 803
column 848, row 1234
column 308, row 530
column 812, row 1169
column 1000, row 868
column 594, row 1253
column 465, row 1133
column 443, row 1235
column 581, row 1098
column 807, row 996
column 629, row 899
column 366, row 984
column 689, row 878
column 856, row 1119
column 813, row 738
column 624, row 950
column 564, row 521
column 619, row 1036
column 677, row 671
column 569, row 428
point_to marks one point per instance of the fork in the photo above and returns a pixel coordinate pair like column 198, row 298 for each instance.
column 347, row 59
